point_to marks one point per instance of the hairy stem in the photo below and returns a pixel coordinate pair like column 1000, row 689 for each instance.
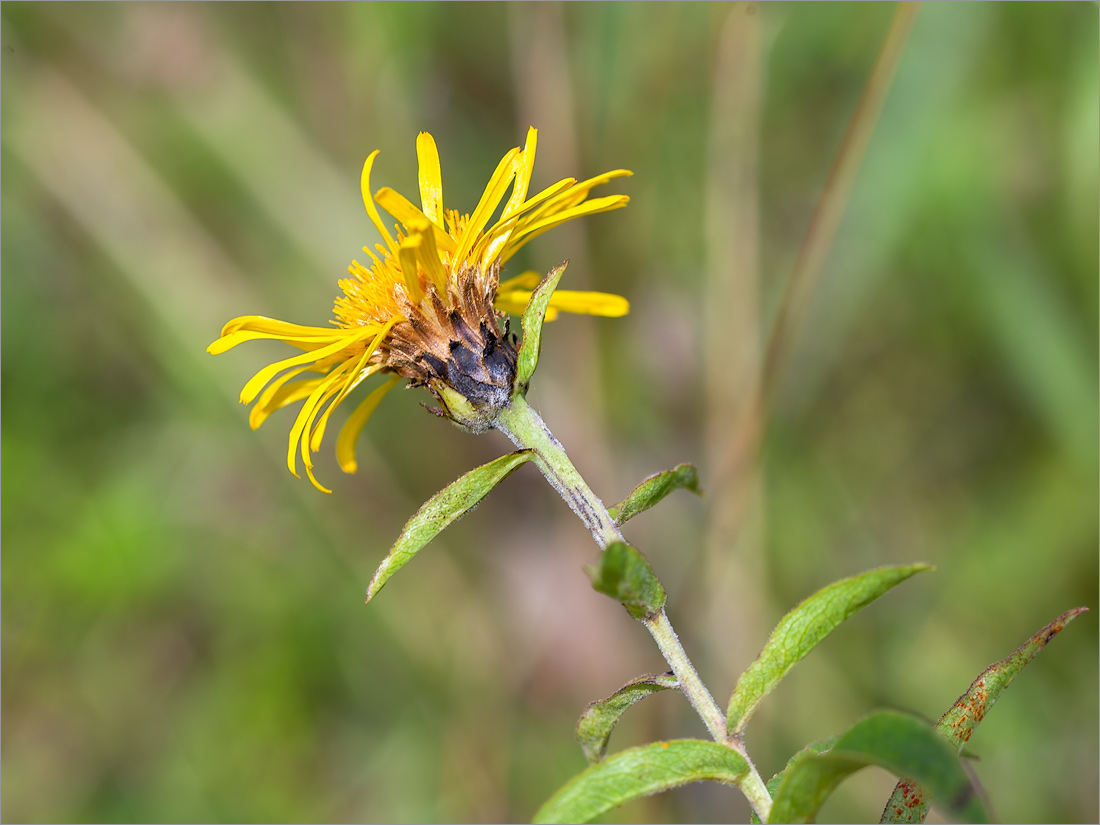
column 528, row 431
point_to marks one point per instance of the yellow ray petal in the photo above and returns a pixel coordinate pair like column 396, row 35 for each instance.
column 524, row 164
column 349, row 433
column 261, row 323
column 604, row 304
column 428, row 255
column 355, row 375
column 431, row 181
column 490, row 199
column 306, row 342
column 267, row 373
column 325, row 386
column 405, row 211
column 278, row 394
column 522, row 235
column 525, row 280
column 407, row 255
column 364, row 185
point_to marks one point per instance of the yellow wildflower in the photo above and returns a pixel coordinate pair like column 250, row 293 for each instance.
column 428, row 307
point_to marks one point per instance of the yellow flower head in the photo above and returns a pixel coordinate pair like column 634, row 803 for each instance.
column 429, row 306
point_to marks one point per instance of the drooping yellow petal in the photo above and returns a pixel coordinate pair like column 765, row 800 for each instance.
column 267, row 373
column 278, row 394
column 261, row 323
column 305, row 415
column 431, row 181
column 364, row 185
column 355, row 375
column 349, row 433
column 310, row 342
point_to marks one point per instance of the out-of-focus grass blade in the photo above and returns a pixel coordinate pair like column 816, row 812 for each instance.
column 800, row 631
column 599, row 718
column 624, row 574
column 531, row 322
column 909, row 803
column 443, row 509
column 639, row 772
column 653, row 489
column 898, row 742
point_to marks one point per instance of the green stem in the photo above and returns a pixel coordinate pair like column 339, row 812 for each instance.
column 528, row 431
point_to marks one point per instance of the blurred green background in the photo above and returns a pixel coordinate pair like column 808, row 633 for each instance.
column 184, row 637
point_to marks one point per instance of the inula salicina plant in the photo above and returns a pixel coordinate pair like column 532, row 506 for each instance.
column 430, row 308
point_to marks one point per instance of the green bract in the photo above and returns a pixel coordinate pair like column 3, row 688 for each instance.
column 533, row 317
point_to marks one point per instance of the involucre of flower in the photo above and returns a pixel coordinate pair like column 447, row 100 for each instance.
column 430, row 307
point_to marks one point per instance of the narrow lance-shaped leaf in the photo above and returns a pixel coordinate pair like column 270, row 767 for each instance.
column 639, row 772
column 599, row 718
column 908, row 803
column 898, row 742
column 443, row 509
column 533, row 316
column 623, row 574
column 819, row 746
column 801, row 630
column 653, row 489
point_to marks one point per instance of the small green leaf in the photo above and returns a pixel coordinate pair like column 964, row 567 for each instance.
column 623, row 574
column 639, row 772
column 443, row 509
column 800, row 631
column 908, row 802
column 531, row 323
column 653, row 489
column 599, row 718
column 819, row 746
column 898, row 742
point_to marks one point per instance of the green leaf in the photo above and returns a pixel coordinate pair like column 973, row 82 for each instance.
column 533, row 316
column 599, row 718
column 773, row 784
column 443, row 509
column 908, row 802
column 623, row 574
column 639, row 772
column 800, row 631
column 653, row 489
column 898, row 742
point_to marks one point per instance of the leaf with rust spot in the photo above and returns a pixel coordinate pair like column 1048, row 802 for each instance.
column 898, row 742
column 908, row 803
